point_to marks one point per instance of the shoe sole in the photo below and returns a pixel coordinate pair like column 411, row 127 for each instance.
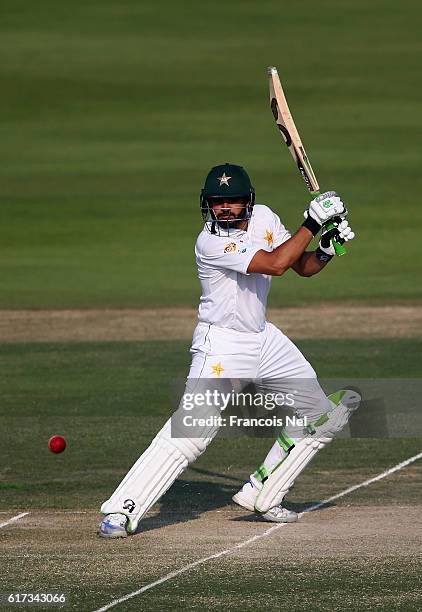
column 241, row 501
column 109, row 536
column 270, row 519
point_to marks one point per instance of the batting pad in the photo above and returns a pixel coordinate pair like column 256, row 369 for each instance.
column 281, row 479
column 154, row 472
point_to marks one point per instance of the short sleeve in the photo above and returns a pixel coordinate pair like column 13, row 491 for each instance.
column 281, row 234
column 231, row 254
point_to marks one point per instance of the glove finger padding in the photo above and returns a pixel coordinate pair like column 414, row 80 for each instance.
column 341, row 232
column 345, row 231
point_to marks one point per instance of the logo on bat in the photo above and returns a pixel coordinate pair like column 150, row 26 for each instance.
column 282, row 128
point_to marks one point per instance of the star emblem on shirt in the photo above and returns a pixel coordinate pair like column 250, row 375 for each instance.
column 269, row 238
column 217, row 369
column 224, row 180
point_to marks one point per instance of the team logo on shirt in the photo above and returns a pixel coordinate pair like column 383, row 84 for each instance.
column 269, row 237
column 230, row 247
column 217, row 369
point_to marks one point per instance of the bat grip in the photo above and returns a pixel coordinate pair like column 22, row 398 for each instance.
column 338, row 247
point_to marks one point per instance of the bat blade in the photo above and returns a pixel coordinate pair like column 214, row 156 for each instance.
column 286, row 125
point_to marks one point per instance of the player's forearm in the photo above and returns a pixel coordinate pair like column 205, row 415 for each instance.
column 283, row 257
column 308, row 264
column 288, row 253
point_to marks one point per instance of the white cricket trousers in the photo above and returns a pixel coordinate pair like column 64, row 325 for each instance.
column 219, row 353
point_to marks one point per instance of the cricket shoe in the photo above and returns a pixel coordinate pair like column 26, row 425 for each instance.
column 113, row 526
column 246, row 498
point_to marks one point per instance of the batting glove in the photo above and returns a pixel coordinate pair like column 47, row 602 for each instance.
column 341, row 232
column 322, row 209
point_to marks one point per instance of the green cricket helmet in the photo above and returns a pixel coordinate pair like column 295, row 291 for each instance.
column 224, row 183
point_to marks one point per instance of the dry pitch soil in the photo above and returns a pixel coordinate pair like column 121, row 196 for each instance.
column 321, row 321
column 43, row 545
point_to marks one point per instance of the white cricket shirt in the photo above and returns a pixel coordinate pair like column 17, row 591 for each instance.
column 231, row 297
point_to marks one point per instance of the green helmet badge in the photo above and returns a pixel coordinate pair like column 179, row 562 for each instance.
column 224, row 180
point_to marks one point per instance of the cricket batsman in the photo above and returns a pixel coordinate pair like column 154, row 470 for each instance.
column 241, row 247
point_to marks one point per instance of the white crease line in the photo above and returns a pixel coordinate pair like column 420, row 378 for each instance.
column 267, row 532
column 13, row 519
column 366, row 483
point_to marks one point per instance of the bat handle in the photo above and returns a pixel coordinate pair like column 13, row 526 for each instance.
column 338, row 247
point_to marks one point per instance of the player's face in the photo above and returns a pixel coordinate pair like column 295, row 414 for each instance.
column 229, row 210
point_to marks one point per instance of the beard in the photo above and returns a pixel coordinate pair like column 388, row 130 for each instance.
column 230, row 221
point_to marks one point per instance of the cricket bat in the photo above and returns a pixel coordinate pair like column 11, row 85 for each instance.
column 286, row 125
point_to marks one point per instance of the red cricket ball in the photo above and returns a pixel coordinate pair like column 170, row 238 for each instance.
column 57, row 444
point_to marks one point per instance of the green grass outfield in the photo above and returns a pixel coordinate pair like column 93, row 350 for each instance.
column 112, row 113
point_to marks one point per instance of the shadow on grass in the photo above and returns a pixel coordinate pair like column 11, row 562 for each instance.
column 216, row 474
column 187, row 500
